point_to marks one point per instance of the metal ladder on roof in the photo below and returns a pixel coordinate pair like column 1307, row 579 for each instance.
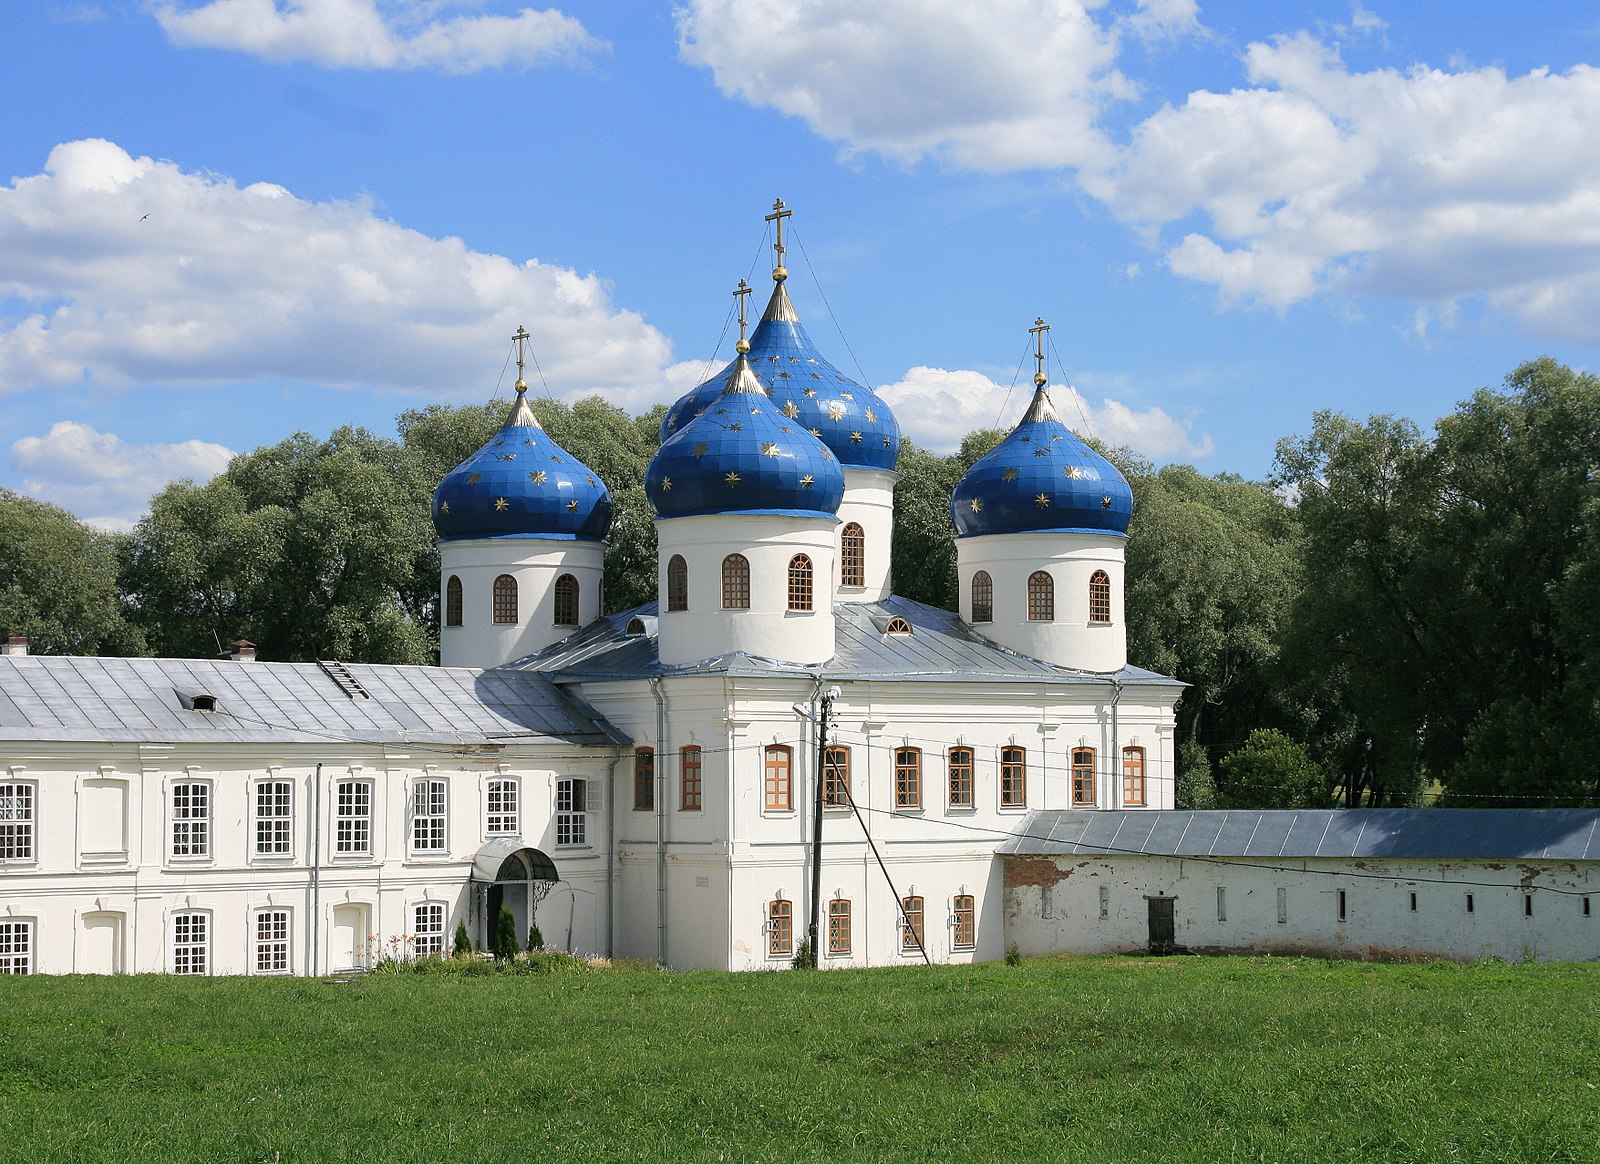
column 340, row 674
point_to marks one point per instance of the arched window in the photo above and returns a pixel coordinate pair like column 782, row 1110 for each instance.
column 780, row 928
column 839, row 925
column 911, row 924
column 566, row 600
column 853, row 556
column 982, row 597
column 1041, row 597
column 836, row 777
column 677, row 583
column 1013, row 777
column 505, row 600
column 1132, row 775
column 960, row 773
column 800, row 582
column 452, row 602
column 1083, row 776
column 735, row 582
column 1099, row 597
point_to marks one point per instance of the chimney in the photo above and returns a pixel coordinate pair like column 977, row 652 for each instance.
column 15, row 645
column 244, row 651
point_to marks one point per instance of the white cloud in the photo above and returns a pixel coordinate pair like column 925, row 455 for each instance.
column 377, row 34
column 1158, row 20
column 1423, row 185
column 132, row 271
column 102, row 477
column 1006, row 85
column 936, row 408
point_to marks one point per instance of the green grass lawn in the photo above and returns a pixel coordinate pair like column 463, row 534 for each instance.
column 1114, row 1059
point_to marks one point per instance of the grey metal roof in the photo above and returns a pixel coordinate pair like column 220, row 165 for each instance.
column 51, row 697
column 1552, row 834
column 940, row 648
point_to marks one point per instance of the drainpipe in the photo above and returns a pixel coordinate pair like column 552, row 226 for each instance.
column 316, row 873
column 661, row 820
column 611, row 853
column 1116, row 748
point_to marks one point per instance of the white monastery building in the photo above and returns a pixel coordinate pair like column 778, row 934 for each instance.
column 655, row 783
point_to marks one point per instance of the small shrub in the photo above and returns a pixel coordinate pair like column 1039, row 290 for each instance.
column 505, row 936
column 1013, row 955
column 535, row 938
column 463, row 944
column 804, row 957
column 553, row 962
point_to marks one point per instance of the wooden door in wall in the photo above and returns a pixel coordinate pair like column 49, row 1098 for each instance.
column 1163, row 927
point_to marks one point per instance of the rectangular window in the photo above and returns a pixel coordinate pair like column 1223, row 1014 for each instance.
column 836, row 777
column 272, row 941
column 960, row 776
column 644, row 780
column 1082, row 777
column 908, row 778
column 689, row 777
column 1527, row 905
column 191, row 820
column 1413, row 901
column 911, row 924
column 1222, row 904
column 1343, row 905
column 502, row 817
column 428, row 816
column 352, row 817
column 780, row 929
column 839, row 925
column 273, row 798
column 572, row 812
column 191, row 943
column 1469, row 903
column 1133, row 776
column 963, row 922
column 427, row 931
column 1283, row 906
column 1586, row 907
column 1013, row 777
column 16, row 822
column 777, row 787
column 16, row 946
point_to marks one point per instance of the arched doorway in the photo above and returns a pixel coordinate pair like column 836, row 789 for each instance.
column 506, row 874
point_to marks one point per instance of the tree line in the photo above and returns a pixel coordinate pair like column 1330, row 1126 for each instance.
column 1392, row 618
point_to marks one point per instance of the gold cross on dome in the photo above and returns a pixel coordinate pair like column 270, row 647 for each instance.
column 522, row 337
column 779, row 213
column 1037, row 331
column 742, row 295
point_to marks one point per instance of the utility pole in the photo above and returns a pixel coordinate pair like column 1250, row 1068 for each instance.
column 824, row 721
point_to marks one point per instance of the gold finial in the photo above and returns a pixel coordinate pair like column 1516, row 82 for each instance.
column 779, row 213
column 1037, row 331
column 522, row 338
column 742, row 294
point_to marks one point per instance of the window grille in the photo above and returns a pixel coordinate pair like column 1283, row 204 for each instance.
column 273, row 799
column 1041, row 597
column 735, row 582
column 839, row 925
column 836, row 777
column 452, row 602
column 982, row 597
column 505, row 600
column 1082, row 776
column 780, row 929
column 908, row 778
column 853, row 555
column 911, row 924
column 960, row 774
column 689, row 777
column 677, row 583
column 800, row 583
column 1013, row 777
column 1099, row 597
column 566, row 601
column 963, row 922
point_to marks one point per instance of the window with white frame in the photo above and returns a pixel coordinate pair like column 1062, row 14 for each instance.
column 429, row 805
column 273, row 803
column 191, row 943
column 502, row 816
column 427, row 929
column 191, row 820
column 572, row 812
column 16, row 822
column 352, row 817
column 272, row 941
column 780, row 928
column 16, row 946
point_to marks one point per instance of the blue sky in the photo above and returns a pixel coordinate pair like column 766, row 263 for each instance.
column 222, row 221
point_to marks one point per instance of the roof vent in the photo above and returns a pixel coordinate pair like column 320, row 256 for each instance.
column 897, row 626
column 244, row 651
column 635, row 626
column 196, row 700
column 340, row 674
column 15, row 645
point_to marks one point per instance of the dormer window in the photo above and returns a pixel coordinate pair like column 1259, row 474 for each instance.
column 202, row 703
column 897, row 626
column 635, row 626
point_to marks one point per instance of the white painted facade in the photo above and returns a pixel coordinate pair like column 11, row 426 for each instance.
column 534, row 565
column 1344, row 907
column 868, row 503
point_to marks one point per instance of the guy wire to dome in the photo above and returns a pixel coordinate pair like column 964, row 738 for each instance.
column 521, row 483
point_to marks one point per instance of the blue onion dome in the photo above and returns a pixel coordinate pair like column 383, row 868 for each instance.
column 742, row 455
column 1042, row 477
column 521, row 484
column 851, row 420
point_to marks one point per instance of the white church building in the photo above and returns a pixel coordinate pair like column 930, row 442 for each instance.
column 777, row 742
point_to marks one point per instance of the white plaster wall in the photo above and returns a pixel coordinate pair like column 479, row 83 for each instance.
column 768, row 628
column 1070, row 640
column 98, row 909
column 1055, row 905
column 869, row 502
column 535, row 563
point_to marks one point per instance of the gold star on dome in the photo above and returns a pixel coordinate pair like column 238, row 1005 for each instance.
column 736, row 428
column 1042, row 500
column 811, row 391
column 770, row 448
column 807, row 481
column 721, row 412
column 791, row 410
column 847, row 396
column 538, row 476
column 1027, row 440
column 572, row 507
column 555, row 458
column 794, row 359
column 530, row 444
column 811, row 359
column 872, row 417
column 855, row 438
column 501, row 503
column 1009, row 475
column 505, row 456
column 835, row 410
column 700, row 450
column 786, row 375
column 1041, row 452
column 755, row 412
column 816, row 375
column 816, row 432
column 732, row 479
column 1105, row 503
column 885, row 442
column 474, row 478
column 784, row 428
column 977, row 505
column 444, row 507
column 497, row 444
column 1073, row 472
column 1055, row 436
column 666, row 484
column 774, row 359
column 590, row 480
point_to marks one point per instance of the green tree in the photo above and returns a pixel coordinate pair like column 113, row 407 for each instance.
column 58, row 583
column 462, row 944
column 923, row 551
column 1270, row 770
column 505, row 936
